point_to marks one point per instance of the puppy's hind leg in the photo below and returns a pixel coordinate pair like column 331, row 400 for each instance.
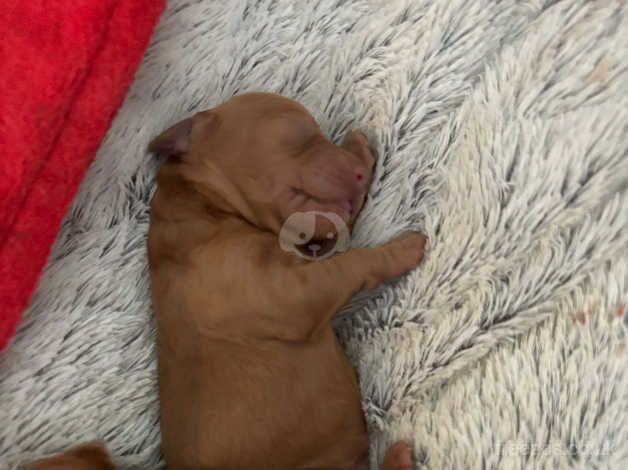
column 399, row 456
column 90, row 456
column 363, row 464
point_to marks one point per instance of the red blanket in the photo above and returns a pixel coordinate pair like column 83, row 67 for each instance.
column 65, row 66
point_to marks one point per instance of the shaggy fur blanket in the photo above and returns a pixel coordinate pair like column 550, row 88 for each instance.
column 502, row 132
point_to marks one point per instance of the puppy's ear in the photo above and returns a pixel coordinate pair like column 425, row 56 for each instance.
column 173, row 141
column 176, row 140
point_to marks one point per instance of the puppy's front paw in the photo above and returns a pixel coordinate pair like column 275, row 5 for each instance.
column 405, row 253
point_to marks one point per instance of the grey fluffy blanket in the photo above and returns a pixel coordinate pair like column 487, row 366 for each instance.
column 503, row 133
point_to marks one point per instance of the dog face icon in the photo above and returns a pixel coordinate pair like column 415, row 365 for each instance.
column 298, row 230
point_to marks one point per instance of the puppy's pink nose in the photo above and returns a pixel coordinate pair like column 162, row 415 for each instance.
column 360, row 176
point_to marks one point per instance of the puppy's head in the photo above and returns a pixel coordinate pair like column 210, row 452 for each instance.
column 265, row 158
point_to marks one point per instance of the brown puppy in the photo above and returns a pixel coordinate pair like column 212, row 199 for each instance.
column 251, row 374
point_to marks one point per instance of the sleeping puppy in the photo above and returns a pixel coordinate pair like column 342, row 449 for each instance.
column 250, row 207
column 251, row 375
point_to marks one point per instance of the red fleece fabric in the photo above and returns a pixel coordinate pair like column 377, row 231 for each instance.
column 65, row 66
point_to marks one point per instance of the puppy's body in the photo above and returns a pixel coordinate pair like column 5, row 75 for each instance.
column 248, row 377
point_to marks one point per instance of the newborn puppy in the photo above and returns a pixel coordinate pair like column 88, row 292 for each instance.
column 251, row 375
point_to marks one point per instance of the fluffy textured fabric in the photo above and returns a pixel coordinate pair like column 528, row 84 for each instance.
column 502, row 133
column 65, row 66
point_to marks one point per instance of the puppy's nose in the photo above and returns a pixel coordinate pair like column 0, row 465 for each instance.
column 360, row 176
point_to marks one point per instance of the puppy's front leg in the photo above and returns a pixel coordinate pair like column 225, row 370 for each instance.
column 340, row 277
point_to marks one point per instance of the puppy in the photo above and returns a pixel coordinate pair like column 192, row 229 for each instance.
column 251, row 375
